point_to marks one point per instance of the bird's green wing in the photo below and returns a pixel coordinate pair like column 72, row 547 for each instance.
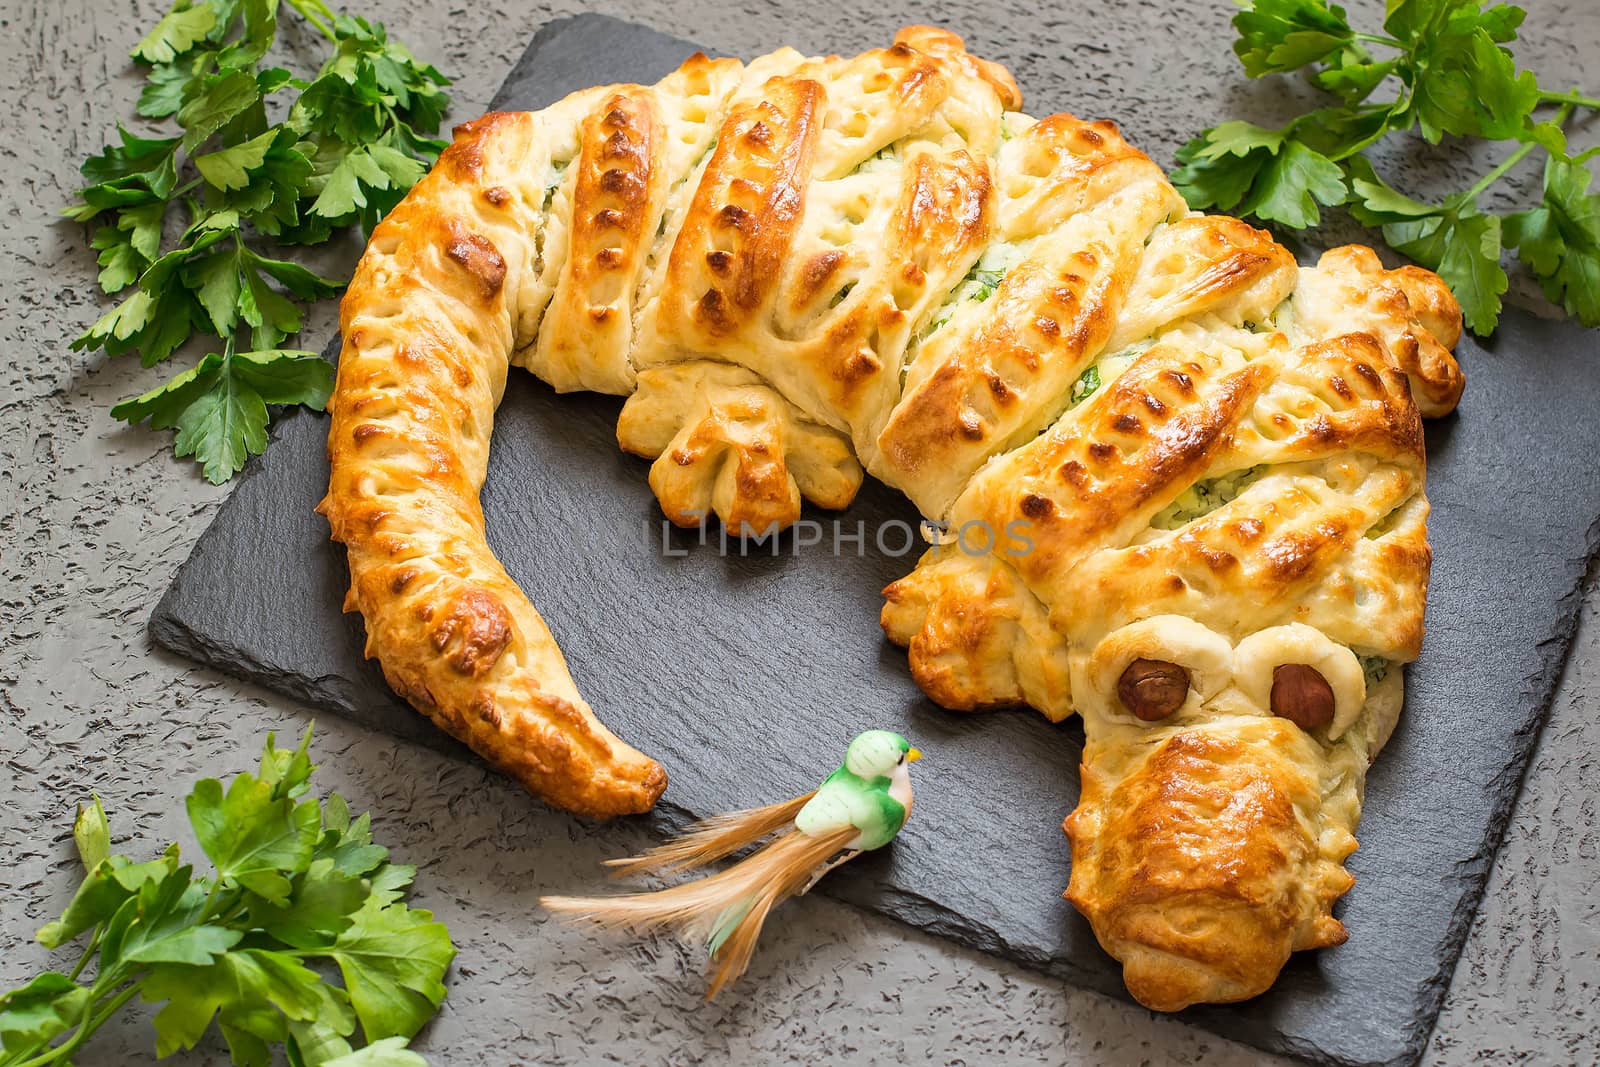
column 846, row 799
column 880, row 817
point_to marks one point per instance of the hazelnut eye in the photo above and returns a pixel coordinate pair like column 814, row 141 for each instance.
column 1302, row 695
column 1152, row 689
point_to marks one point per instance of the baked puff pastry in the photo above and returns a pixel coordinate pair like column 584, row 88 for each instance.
column 1181, row 478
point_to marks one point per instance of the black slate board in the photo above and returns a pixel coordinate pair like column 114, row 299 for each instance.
column 692, row 654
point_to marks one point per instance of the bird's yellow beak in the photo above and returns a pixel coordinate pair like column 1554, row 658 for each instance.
column 913, row 754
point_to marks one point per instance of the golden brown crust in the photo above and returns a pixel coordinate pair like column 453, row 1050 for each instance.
column 725, row 443
column 1198, row 868
column 543, row 238
column 1209, row 847
column 843, row 200
column 1205, row 265
column 946, row 45
column 1094, row 478
column 617, row 192
column 977, row 637
column 1076, row 201
column 1409, row 310
column 730, row 252
column 426, row 343
column 1157, row 443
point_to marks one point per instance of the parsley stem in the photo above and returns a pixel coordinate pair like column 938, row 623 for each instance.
column 1570, row 98
column 1500, row 172
column 91, row 1021
column 1378, row 38
column 1513, row 159
column 216, row 886
column 114, row 1006
column 89, row 950
column 313, row 11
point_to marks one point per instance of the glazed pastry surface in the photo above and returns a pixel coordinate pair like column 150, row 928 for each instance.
column 1197, row 467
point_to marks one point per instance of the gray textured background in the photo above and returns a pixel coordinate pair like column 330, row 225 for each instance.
column 96, row 517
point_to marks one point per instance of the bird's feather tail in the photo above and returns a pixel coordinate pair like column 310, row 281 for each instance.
column 711, row 839
column 724, row 911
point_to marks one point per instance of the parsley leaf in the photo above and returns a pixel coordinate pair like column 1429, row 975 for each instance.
column 267, row 193
column 368, row 114
column 390, row 1052
column 354, row 139
column 1453, row 238
column 255, row 838
column 219, row 407
column 146, row 159
column 1283, row 35
column 167, row 86
column 1239, row 139
column 1464, row 83
column 32, row 1014
column 1352, row 74
column 392, row 957
column 1218, row 181
column 348, row 843
column 300, row 901
column 120, row 263
column 229, row 168
column 137, row 173
column 177, row 32
column 1470, row 266
column 108, row 886
column 222, row 99
column 1288, row 188
column 1454, row 77
column 159, row 317
column 1262, row 172
column 318, row 908
column 1374, row 203
column 152, row 323
column 251, row 993
column 1560, row 240
column 345, row 191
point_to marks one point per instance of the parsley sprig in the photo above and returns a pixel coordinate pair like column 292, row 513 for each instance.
column 1452, row 76
column 299, row 894
column 187, row 222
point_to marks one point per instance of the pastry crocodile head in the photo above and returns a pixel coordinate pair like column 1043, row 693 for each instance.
column 1201, row 466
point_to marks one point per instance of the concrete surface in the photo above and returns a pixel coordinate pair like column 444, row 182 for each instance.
column 96, row 517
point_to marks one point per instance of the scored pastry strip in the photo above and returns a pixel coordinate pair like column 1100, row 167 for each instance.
column 621, row 174
column 819, row 234
column 1198, row 466
column 1075, row 204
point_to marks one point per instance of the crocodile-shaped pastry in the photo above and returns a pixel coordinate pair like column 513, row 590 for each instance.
column 1200, row 467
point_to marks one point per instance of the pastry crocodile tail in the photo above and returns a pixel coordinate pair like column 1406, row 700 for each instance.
column 435, row 311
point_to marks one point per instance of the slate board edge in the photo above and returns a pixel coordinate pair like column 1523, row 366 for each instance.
column 168, row 630
column 1541, row 687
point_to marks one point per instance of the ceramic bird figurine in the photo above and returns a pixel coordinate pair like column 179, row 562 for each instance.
column 860, row 807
